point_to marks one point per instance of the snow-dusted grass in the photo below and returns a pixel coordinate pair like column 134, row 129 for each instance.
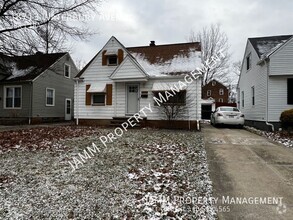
column 280, row 137
column 123, row 181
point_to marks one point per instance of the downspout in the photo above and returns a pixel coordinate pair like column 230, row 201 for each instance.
column 77, row 103
column 115, row 102
column 196, row 105
column 267, row 109
column 31, row 105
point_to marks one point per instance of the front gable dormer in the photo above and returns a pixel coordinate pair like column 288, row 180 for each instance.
column 129, row 70
column 106, row 61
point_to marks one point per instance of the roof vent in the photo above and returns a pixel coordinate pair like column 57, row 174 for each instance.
column 153, row 43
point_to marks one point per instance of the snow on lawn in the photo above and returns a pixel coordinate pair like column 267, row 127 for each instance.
column 126, row 180
column 281, row 137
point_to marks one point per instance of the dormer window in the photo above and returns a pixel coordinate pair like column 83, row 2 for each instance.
column 112, row 57
column 112, row 60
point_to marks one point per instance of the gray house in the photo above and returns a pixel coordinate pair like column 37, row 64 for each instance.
column 36, row 88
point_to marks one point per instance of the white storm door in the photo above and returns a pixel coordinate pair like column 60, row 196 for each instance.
column 132, row 98
column 67, row 109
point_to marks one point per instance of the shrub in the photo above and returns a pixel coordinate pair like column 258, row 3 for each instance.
column 287, row 119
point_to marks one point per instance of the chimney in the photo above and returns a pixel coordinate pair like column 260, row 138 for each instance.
column 153, row 43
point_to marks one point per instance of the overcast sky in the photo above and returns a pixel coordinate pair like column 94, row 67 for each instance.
column 135, row 23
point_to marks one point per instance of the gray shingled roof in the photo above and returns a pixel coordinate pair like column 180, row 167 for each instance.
column 266, row 45
column 26, row 68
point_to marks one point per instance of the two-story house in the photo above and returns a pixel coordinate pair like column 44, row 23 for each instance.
column 36, row 88
column 215, row 90
column 265, row 87
column 119, row 82
column 214, row 94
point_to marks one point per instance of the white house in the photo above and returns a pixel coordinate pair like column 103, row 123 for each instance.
column 265, row 87
column 119, row 82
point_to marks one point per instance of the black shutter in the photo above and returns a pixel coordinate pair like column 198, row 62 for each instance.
column 290, row 91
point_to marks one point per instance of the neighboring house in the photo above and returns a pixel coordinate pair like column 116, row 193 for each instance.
column 216, row 90
column 36, row 88
column 213, row 94
column 265, row 87
column 118, row 82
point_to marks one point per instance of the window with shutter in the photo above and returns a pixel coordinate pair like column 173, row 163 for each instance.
column 120, row 56
column 88, row 97
column 109, row 88
column 104, row 58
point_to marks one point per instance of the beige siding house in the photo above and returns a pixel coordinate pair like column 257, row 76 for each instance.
column 118, row 82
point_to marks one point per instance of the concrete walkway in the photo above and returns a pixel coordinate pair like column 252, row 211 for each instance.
column 249, row 167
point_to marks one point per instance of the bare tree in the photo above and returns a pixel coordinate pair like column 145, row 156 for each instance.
column 177, row 107
column 215, row 51
column 27, row 26
column 236, row 68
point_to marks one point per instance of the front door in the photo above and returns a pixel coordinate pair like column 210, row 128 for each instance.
column 67, row 109
column 132, row 98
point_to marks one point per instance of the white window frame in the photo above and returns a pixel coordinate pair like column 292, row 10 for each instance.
column 69, row 70
column 221, row 100
column 214, row 83
column 5, row 95
column 221, row 91
column 209, row 92
column 49, row 105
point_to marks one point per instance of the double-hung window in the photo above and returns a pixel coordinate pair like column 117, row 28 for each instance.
column 50, row 97
column 12, row 96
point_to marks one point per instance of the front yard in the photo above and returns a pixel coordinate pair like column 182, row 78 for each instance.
column 145, row 174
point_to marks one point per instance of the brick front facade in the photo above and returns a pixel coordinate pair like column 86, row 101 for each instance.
column 215, row 90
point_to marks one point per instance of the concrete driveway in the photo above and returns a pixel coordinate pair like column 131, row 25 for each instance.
column 250, row 169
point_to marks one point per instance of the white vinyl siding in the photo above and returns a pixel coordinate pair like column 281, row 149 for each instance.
column 281, row 61
column 277, row 97
column 128, row 70
column 257, row 77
